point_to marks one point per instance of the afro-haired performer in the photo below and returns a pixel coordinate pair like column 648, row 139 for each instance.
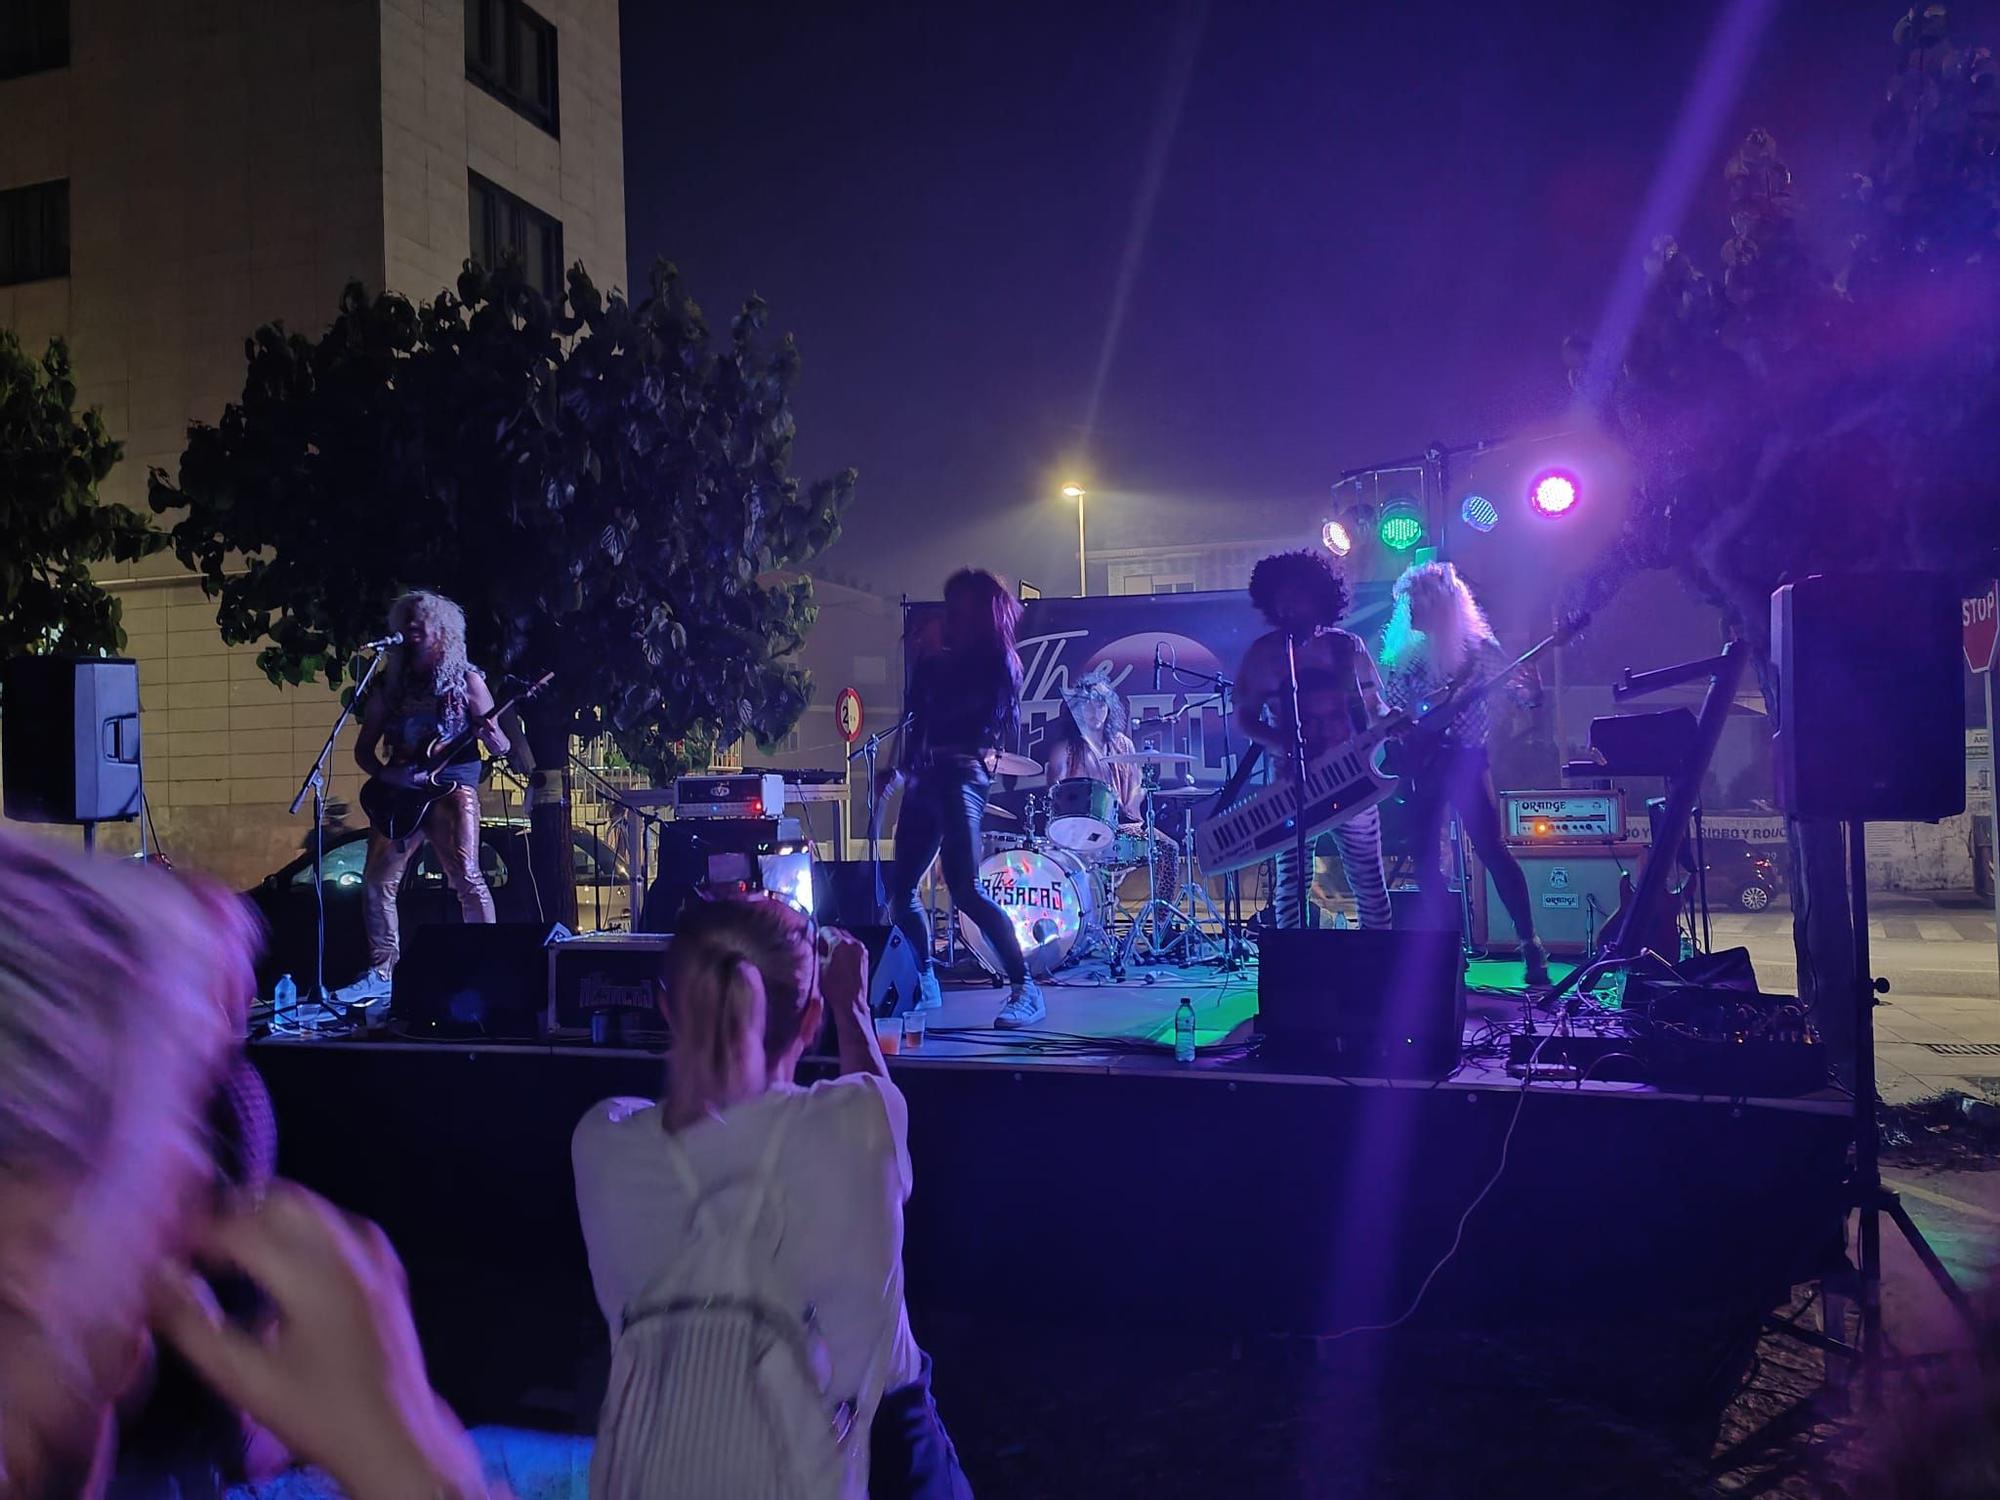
column 1304, row 597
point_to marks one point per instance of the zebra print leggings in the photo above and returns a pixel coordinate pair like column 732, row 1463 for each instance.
column 1359, row 841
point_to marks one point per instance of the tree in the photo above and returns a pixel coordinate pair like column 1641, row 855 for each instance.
column 53, row 525
column 1830, row 402
column 601, row 486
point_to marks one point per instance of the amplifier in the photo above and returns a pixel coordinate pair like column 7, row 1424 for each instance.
column 1563, row 816
column 730, row 795
column 601, row 985
column 1573, row 891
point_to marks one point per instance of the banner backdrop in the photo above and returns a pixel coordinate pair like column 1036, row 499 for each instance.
column 1201, row 635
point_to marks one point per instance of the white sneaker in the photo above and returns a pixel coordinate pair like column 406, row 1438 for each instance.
column 373, row 986
column 1024, row 1007
column 929, row 996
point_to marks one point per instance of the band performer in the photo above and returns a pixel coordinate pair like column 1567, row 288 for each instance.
column 1438, row 635
column 964, row 703
column 1092, row 725
column 1303, row 596
column 428, row 689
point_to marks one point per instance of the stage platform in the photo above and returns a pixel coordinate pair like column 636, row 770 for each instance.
column 1074, row 1173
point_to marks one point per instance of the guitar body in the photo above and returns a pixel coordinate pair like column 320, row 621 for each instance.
column 397, row 812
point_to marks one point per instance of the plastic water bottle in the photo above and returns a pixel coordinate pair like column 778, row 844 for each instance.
column 1340, row 921
column 1184, row 1031
column 284, row 999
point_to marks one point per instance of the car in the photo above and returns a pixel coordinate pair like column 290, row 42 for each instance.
column 1740, row 875
column 284, row 898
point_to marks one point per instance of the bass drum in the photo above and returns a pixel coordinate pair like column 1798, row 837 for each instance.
column 1046, row 894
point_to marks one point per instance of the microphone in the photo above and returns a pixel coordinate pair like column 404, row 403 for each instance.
column 394, row 638
column 1156, row 664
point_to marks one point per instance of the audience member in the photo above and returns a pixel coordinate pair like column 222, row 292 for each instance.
column 808, row 1183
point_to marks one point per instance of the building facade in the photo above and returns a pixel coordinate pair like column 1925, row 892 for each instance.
column 176, row 173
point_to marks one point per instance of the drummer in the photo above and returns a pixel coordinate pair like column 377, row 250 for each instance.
column 1090, row 727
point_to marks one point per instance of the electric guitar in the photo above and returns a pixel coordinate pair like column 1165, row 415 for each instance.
column 1235, row 831
column 398, row 804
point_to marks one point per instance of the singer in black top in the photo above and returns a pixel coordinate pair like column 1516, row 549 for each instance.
column 965, row 700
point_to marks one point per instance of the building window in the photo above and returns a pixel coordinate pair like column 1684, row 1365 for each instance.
column 511, row 53
column 34, row 232
column 34, row 36
column 504, row 225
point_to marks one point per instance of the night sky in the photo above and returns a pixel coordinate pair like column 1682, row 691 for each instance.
column 1373, row 226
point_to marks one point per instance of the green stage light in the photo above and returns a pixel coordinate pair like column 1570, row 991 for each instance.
column 1402, row 524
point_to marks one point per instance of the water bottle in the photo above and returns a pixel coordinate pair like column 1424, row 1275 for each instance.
column 1340, row 921
column 1184, row 1032
column 284, row 999
column 1687, row 946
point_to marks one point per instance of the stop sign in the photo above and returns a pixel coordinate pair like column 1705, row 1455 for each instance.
column 1981, row 618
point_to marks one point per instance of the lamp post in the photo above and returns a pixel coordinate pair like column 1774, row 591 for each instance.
column 1076, row 492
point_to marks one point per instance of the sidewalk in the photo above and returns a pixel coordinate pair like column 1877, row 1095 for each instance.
column 1938, row 1028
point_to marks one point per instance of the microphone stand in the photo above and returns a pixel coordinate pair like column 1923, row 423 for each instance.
column 1232, row 899
column 867, row 749
column 315, row 783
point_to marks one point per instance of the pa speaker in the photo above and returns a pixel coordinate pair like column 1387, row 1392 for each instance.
column 69, row 739
column 475, row 979
column 1871, row 697
column 1361, row 1004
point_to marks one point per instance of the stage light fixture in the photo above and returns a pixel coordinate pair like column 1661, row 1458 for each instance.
column 1554, row 493
column 1478, row 513
column 1402, row 524
column 1333, row 536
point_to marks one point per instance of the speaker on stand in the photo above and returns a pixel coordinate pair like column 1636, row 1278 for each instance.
column 1871, row 728
column 69, row 741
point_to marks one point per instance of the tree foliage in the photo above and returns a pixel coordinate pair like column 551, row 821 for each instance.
column 603, row 486
column 53, row 525
column 1831, row 399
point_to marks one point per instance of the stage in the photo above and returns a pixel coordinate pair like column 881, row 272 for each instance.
column 1075, row 1174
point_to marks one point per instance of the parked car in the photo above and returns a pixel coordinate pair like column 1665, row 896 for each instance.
column 1740, row 875
column 285, row 897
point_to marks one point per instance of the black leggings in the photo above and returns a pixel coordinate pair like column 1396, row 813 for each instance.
column 942, row 809
column 1459, row 779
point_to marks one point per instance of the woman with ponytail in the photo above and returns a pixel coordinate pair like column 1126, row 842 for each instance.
column 824, row 1171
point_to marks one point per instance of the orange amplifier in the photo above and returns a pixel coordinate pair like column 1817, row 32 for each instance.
column 1563, row 817
column 1572, row 891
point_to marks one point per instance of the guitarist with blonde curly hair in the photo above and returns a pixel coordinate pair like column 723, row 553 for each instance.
column 429, row 692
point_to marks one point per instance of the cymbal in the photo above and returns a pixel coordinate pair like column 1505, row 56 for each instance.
column 1183, row 793
column 995, row 810
column 1010, row 764
column 1147, row 757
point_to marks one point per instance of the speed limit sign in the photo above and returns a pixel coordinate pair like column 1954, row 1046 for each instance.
column 847, row 714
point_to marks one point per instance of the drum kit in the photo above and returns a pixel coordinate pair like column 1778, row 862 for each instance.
column 1056, row 868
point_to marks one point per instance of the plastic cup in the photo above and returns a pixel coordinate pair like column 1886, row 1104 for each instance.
column 889, row 1034
column 913, row 1031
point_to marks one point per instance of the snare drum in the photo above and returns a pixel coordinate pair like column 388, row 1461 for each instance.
column 1045, row 894
column 1083, row 815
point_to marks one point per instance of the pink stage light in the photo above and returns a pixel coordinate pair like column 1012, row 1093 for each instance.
column 1554, row 493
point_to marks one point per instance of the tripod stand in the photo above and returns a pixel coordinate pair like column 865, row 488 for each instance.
column 1870, row 1198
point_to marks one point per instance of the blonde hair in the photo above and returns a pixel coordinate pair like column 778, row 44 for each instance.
column 447, row 621
column 1432, row 581
column 121, row 991
column 740, row 977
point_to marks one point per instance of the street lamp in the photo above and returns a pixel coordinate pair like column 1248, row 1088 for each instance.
column 1076, row 492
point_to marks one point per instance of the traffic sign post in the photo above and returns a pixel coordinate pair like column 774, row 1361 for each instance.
column 1980, row 617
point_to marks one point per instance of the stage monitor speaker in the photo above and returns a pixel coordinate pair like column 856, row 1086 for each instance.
column 69, row 739
column 1572, row 892
column 844, row 892
column 474, row 979
column 1361, row 1004
column 892, row 969
column 1871, row 697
